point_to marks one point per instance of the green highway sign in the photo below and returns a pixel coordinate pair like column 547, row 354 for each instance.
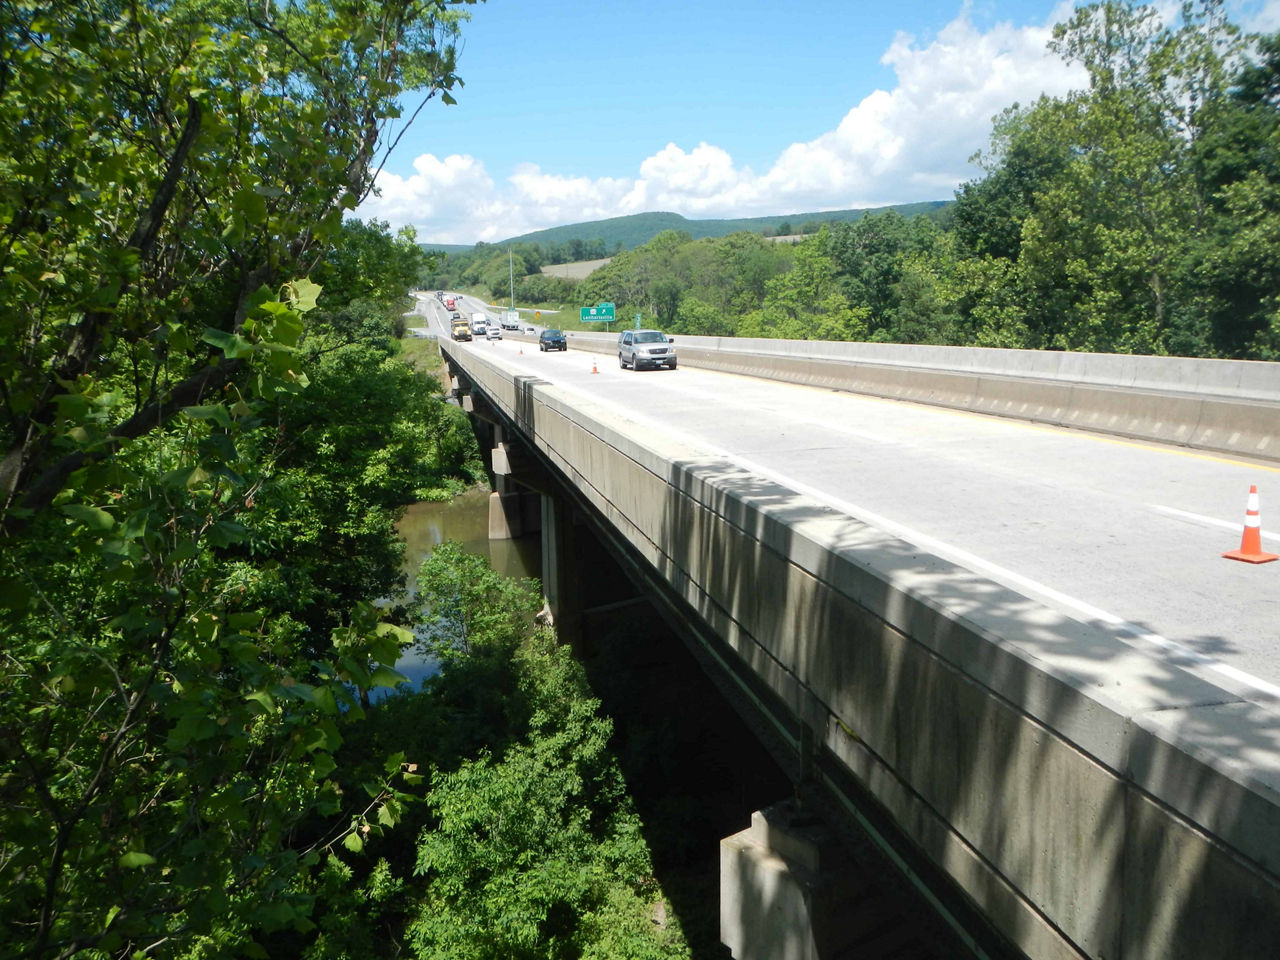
column 600, row 314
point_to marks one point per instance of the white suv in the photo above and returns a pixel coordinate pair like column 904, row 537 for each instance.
column 646, row 348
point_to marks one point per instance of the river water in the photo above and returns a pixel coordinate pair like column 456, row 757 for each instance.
column 465, row 519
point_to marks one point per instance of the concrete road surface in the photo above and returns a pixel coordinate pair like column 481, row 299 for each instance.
column 1120, row 533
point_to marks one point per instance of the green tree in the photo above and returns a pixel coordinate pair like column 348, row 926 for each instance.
column 525, row 844
column 698, row 318
column 867, row 257
column 170, row 174
column 1238, row 162
column 806, row 303
column 1115, row 203
column 665, row 294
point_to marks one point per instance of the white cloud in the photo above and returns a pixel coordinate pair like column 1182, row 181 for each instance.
column 1263, row 19
column 906, row 144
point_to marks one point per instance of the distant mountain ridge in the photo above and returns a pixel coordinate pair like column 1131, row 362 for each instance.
column 639, row 228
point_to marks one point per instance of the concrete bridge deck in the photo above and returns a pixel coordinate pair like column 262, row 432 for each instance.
column 1098, row 790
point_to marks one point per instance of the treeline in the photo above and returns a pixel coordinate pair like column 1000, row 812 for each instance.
column 490, row 270
column 1139, row 215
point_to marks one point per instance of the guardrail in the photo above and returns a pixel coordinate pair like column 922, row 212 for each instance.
column 1230, row 406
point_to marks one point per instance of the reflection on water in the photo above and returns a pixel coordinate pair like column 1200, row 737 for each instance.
column 466, row 520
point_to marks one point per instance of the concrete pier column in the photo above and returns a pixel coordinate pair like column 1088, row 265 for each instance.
column 785, row 889
column 514, row 509
column 506, row 515
column 560, row 587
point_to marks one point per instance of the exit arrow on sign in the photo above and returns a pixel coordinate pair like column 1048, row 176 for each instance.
column 601, row 314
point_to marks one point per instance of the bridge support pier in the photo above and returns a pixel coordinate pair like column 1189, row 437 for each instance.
column 515, row 505
column 560, row 587
column 513, row 512
column 787, row 890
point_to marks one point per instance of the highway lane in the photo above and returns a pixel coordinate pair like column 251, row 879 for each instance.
column 1125, row 534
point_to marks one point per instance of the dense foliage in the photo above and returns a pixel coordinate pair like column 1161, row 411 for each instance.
column 1131, row 216
column 201, row 454
column 526, row 845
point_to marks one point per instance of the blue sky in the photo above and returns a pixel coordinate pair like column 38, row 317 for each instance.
column 575, row 110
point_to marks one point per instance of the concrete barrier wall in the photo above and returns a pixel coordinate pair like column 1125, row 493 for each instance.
column 1092, row 801
column 1230, row 406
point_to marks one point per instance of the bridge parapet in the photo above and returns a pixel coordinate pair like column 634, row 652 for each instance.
column 1090, row 800
column 1232, row 406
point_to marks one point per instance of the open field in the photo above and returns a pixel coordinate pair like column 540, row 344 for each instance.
column 574, row 271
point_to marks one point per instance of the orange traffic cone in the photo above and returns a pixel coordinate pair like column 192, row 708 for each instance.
column 593, row 365
column 1251, row 542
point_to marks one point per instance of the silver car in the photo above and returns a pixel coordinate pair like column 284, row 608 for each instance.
column 646, row 348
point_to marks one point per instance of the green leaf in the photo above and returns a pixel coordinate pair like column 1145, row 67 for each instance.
column 324, row 699
column 401, row 635
column 387, row 816
column 232, row 345
column 353, row 841
column 262, row 699
column 322, row 766
column 245, row 620
column 303, row 294
column 136, row 858
column 135, row 525
column 213, row 411
column 226, row 532
column 97, row 520
column 251, row 204
column 384, row 676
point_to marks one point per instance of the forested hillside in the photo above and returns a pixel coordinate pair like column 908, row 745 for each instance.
column 604, row 238
column 627, row 233
column 1139, row 215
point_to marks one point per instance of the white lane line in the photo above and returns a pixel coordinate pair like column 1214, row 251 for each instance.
column 1207, row 521
column 1122, row 629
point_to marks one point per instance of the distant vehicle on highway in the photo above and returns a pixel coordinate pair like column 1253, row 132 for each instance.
column 460, row 329
column 646, row 348
column 479, row 323
column 493, row 332
column 552, row 340
column 449, row 303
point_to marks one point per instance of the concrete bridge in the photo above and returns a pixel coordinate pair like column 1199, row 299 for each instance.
column 1044, row 778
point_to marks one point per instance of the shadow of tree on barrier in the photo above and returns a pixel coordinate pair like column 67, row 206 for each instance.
column 1067, row 775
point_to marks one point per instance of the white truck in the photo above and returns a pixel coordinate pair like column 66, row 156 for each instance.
column 478, row 324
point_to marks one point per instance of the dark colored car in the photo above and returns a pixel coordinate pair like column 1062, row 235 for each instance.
column 552, row 340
